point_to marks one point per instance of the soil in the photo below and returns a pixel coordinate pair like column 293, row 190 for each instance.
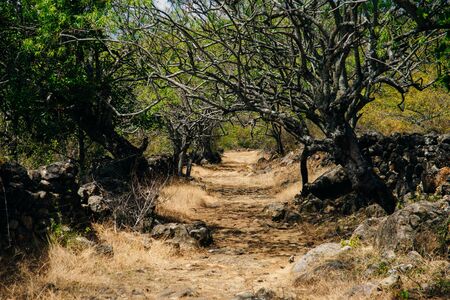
column 250, row 251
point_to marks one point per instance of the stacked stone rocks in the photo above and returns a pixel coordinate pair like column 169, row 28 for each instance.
column 408, row 162
column 31, row 202
column 411, row 164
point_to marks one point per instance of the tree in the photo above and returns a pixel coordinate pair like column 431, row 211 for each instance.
column 190, row 124
column 59, row 71
column 292, row 61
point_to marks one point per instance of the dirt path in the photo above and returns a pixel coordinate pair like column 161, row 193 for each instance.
column 250, row 251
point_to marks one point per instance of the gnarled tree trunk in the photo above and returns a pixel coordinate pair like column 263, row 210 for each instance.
column 360, row 171
column 100, row 129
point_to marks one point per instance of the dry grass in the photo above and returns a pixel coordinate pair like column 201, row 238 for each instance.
column 73, row 272
column 288, row 193
column 324, row 282
column 180, row 201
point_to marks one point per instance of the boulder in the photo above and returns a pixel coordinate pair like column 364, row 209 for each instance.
column 280, row 212
column 367, row 230
column 196, row 234
column 421, row 226
column 97, row 205
column 88, row 189
column 332, row 184
column 314, row 257
column 362, row 291
column 275, row 211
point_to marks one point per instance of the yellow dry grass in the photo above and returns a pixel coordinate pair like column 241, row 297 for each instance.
column 181, row 200
column 72, row 271
column 288, row 193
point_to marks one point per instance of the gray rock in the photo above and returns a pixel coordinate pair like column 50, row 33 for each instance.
column 388, row 255
column 280, row 212
column 196, row 234
column 362, row 291
column 375, row 211
column 104, row 249
column 316, row 255
column 87, row 190
column 265, row 294
column 275, row 211
column 390, row 282
column 97, row 204
column 244, row 296
column 416, row 227
column 415, row 258
column 84, row 241
column 331, row 184
column 367, row 230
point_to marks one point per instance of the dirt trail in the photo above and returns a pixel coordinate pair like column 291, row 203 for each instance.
column 249, row 251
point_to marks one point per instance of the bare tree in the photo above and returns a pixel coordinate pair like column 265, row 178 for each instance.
column 292, row 61
column 190, row 126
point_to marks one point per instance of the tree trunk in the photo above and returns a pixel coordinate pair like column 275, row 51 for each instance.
column 181, row 157
column 208, row 153
column 304, row 169
column 100, row 129
column 277, row 135
column 189, row 167
column 360, row 171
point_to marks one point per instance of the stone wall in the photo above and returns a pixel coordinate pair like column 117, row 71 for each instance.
column 32, row 202
column 408, row 162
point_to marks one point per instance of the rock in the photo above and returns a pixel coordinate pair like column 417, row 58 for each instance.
column 362, row 291
column 87, row 190
column 375, row 211
column 104, row 249
column 265, row 294
column 402, row 268
column 315, row 256
column 244, row 296
column 331, row 184
column 367, row 230
column 309, row 204
column 390, row 282
column 57, row 171
column 84, row 242
column 415, row 258
column 97, row 204
column 201, row 233
column 418, row 227
column 280, row 212
column 196, row 234
column 275, row 211
column 389, row 255
column 292, row 217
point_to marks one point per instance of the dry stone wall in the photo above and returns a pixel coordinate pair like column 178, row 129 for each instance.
column 32, row 202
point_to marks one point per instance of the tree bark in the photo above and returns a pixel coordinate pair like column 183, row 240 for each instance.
column 304, row 169
column 360, row 171
column 207, row 151
column 181, row 157
column 277, row 135
column 100, row 129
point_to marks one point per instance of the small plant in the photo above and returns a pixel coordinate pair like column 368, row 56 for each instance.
column 353, row 242
column 383, row 268
column 403, row 294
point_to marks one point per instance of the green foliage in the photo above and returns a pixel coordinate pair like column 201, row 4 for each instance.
column 240, row 137
column 425, row 111
column 353, row 242
column 403, row 294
